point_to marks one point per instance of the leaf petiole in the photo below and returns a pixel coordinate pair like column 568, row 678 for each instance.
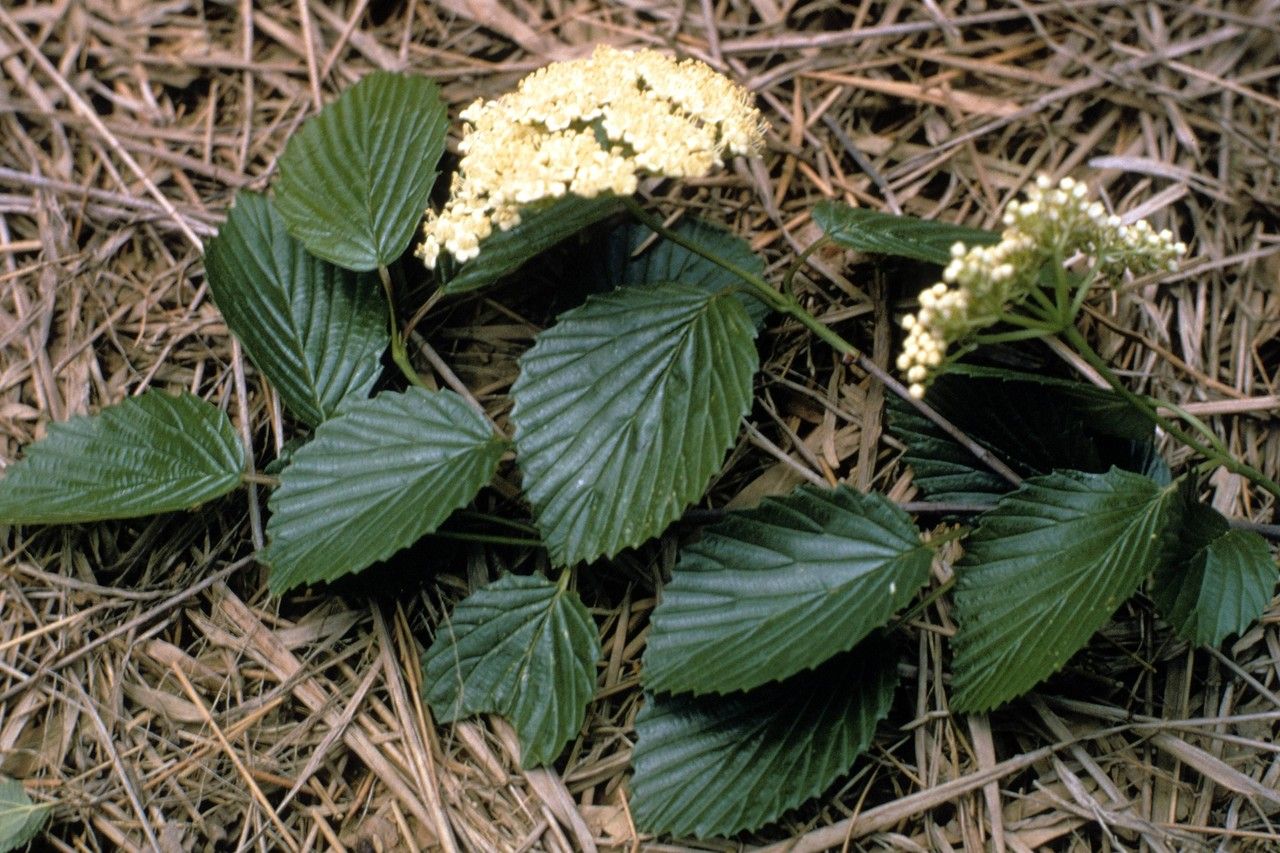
column 800, row 262
column 399, row 354
column 925, row 603
column 488, row 538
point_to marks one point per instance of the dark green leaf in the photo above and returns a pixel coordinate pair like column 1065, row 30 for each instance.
column 716, row 765
column 1028, row 428
column 504, row 252
column 772, row 591
column 663, row 261
column 624, row 410
column 1104, row 411
column 315, row 330
column 943, row 469
column 20, row 819
column 152, row 453
column 1200, row 525
column 1044, row 570
column 521, row 647
column 375, row 479
column 1221, row 583
column 1140, row 457
column 354, row 180
column 898, row 236
column 1033, row 426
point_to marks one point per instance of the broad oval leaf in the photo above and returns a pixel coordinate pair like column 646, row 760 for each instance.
column 316, row 331
column 624, row 410
column 148, row 454
column 524, row 648
column 771, row 591
column 898, row 236
column 1221, row 586
column 354, row 179
column 504, row 252
column 375, row 479
column 20, row 818
column 1044, row 570
column 717, row 765
column 663, row 260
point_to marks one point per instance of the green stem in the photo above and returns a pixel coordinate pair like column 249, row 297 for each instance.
column 786, row 303
column 801, row 260
column 1197, row 424
column 1144, row 407
column 937, row 540
column 1047, row 307
column 488, row 538
column 491, row 518
column 399, row 354
column 924, row 604
column 1061, row 287
column 756, row 285
column 1026, row 334
column 782, row 302
column 1082, row 291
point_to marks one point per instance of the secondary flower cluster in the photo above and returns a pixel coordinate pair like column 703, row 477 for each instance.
column 586, row 127
column 1053, row 223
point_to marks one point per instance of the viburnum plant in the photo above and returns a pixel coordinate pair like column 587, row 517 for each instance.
column 772, row 653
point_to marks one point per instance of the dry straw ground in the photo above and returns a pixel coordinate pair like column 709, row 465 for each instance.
column 155, row 693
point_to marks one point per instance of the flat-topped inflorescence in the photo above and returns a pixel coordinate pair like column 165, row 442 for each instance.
column 587, row 127
column 1054, row 224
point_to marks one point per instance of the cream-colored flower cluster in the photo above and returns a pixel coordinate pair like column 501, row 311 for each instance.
column 979, row 283
column 587, row 127
column 1065, row 217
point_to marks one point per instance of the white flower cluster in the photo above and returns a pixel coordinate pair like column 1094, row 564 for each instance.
column 587, row 127
column 980, row 282
column 1065, row 217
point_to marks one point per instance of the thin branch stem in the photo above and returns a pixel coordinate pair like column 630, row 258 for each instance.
column 923, row 604
column 801, row 260
column 488, row 538
column 451, row 379
column 702, row 515
column 493, row 518
column 1026, row 334
column 1061, row 286
column 1197, row 424
column 755, row 284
